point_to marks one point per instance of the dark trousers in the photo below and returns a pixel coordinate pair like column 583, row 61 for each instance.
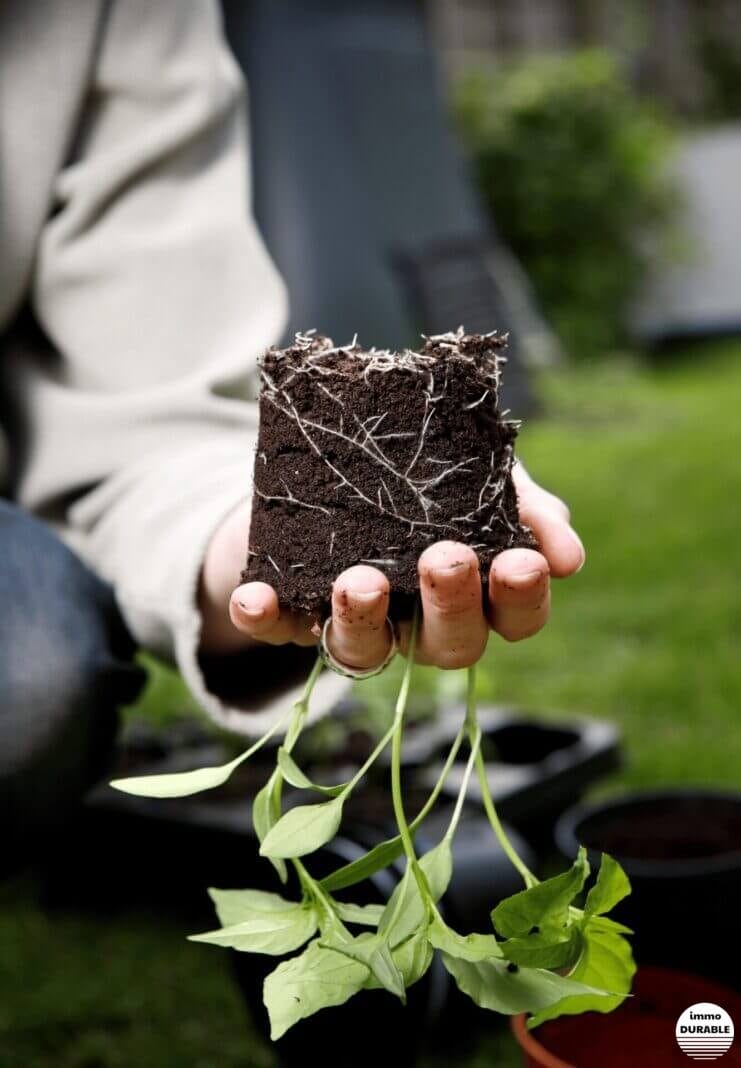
column 65, row 668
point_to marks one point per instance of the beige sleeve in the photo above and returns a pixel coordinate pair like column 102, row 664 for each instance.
column 155, row 290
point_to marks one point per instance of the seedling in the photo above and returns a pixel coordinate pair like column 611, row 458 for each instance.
column 543, row 954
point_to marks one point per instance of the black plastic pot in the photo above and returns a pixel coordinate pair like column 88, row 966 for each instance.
column 327, row 1036
column 188, row 847
column 536, row 767
column 681, row 849
column 185, row 845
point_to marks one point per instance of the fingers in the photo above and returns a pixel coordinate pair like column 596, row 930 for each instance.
column 358, row 635
column 254, row 610
column 454, row 630
column 519, row 593
column 548, row 518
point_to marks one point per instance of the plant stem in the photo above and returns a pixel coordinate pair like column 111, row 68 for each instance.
column 528, row 878
column 301, row 708
column 398, row 731
column 297, row 713
column 455, row 818
column 312, row 886
column 371, row 760
column 351, row 873
column 471, row 720
column 300, row 712
column 401, row 820
column 273, row 789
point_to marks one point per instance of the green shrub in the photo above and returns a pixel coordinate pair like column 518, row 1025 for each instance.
column 572, row 165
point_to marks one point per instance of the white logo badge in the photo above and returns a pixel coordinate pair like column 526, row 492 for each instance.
column 704, row 1031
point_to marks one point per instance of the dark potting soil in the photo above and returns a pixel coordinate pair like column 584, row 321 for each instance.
column 671, row 829
column 368, row 456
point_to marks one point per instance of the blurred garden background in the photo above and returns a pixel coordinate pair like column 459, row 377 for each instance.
column 576, row 118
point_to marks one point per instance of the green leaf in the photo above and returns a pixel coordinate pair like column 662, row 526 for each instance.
column 266, row 808
column 385, row 853
column 240, row 906
column 493, row 986
column 365, row 915
column 293, row 774
column 301, row 986
column 180, row 783
column 606, row 963
column 413, row 957
column 472, row 947
column 303, row 829
column 265, row 815
column 375, row 952
column 274, row 933
column 381, row 856
column 545, row 904
column 406, row 910
column 437, row 865
column 184, row 783
column 544, row 950
column 604, row 923
column 611, row 887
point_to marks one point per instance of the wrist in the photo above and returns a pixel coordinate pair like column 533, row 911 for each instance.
column 222, row 563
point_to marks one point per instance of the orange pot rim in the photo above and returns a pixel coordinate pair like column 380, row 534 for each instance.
column 530, row 1045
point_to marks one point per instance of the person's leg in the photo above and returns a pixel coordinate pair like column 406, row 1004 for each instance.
column 65, row 668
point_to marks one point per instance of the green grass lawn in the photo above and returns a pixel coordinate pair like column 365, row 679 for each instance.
column 647, row 634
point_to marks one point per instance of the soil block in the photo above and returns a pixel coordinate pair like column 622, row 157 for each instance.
column 369, row 456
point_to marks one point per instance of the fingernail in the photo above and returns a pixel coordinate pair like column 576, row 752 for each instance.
column 449, row 572
column 366, row 597
column 578, row 542
column 524, row 579
column 251, row 611
column 451, row 569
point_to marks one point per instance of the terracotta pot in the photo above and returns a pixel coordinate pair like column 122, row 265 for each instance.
column 640, row 1034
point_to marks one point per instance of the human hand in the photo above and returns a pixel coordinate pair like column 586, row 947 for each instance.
column 454, row 628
